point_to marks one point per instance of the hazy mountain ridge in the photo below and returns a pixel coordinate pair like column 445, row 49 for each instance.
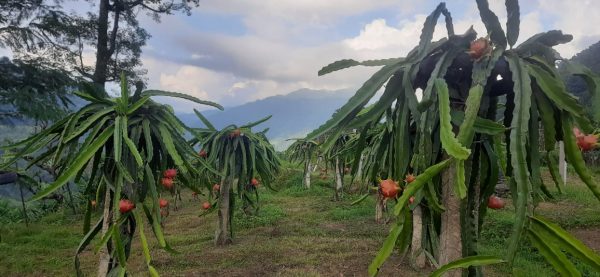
column 294, row 114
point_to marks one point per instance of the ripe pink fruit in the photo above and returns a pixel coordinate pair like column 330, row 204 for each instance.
column 495, row 202
column 389, row 188
column 126, row 205
column 170, row 173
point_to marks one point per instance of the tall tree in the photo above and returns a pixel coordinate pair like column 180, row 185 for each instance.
column 29, row 91
column 39, row 30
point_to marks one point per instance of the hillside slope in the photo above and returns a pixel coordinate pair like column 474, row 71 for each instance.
column 294, row 114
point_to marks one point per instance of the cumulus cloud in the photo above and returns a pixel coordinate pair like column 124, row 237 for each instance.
column 285, row 42
column 579, row 18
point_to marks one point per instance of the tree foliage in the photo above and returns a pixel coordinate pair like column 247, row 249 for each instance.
column 41, row 31
column 29, row 91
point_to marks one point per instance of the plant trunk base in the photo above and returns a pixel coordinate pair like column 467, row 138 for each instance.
column 450, row 234
column 379, row 209
column 416, row 251
column 223, row 232
column 104, row 253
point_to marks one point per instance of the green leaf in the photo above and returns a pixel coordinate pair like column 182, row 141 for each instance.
column 134, row 151
column 104, row 240
column 204, row 120
column 122, row 170
column 85, row 242
column 356, row 102
column 84, row 156
column 386, row 250
column 148, row 139
column 137, row 105
column 253, row 124
column 84, row 126
column 553, row 255
column 459, row 186
column 167, row 139
column 550, row 38
column 343, row 64
column 124, row 90
column 143, row 240
column 362, row 198
column 481, row 125
column 555, row 89
column 492, row 24
column 92, row 98
column 418, row 183
column 428, row 29
column 153, row 271
column 518, row 152
column 116, row 238
column 118, row 137
column 552, row 161
column 467, row 262
column 374, row 112
column 182, row 96
column 513, row 21
column 547, row 114
column 466, row 131
column 566, row 241
column 154, row 217
column 449, row 141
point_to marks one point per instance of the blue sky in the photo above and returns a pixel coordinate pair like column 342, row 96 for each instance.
column 236, row 51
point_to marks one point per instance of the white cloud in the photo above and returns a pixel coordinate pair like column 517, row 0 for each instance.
column 377, row 35
column 579, row 18
column 267, row 60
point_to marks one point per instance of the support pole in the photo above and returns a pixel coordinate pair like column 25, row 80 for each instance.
column 562, row 164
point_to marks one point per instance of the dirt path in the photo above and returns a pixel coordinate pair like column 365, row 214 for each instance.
column 309, row 240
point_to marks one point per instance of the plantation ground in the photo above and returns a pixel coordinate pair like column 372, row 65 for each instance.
column 297, row 233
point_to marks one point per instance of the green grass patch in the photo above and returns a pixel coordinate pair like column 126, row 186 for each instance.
column 268, row 215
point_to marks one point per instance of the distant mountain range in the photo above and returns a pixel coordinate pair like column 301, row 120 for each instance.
column 294, row 114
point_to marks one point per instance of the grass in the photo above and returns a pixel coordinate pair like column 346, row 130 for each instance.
column 297, row 232
column 575, row 209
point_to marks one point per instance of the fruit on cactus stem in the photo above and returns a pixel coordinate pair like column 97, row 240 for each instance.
column 235, row 133
column 206, row 205
column 125, row 205
column 254, row 182
column 409, row 178
column 495, row 202
column 163, row 203
column 577, row 132
column 588, row 142
column 480, row 48
column 216, row 187
column 411, row 199
column 170, row 173
column 585, row 142
column 203, row 153
column 389, row 188
column 93, row 203
column 167, row 183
